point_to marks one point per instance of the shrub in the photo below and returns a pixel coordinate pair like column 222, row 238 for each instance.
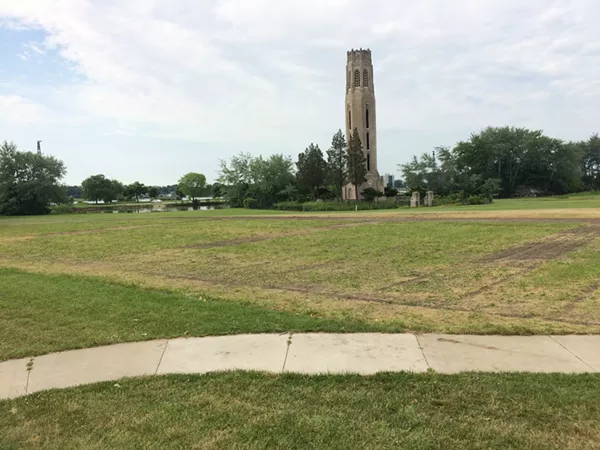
column 250, row 203
column 335, row 206
column 288, row 206
column 371, row 194
column 63, row 208
column 477, row 200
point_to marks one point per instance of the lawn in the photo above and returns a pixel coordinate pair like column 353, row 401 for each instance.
column 80, row 280
column 41, row 314
column 250, row 410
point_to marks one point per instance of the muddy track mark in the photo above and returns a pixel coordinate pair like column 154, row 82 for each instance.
column 549, row 248
column 413, row 280
column 588, row 293
column 405, row 302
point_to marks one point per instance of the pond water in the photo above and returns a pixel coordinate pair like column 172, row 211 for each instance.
column 164, row 208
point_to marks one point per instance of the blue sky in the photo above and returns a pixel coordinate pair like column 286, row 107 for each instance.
column 151, row 89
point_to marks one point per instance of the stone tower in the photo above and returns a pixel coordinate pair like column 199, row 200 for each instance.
column 360, row 114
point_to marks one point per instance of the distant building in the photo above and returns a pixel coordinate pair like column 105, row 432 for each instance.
column 389, row 179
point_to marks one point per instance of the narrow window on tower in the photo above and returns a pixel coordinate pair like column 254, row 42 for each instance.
column 368, row 161
column 357, row 78
column 365, row 78
column 367, row 116
column 368, row 142
column 349, row 119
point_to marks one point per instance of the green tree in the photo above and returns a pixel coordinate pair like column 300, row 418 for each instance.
column 425, row 174
column 337, row 165
column 29, row 183
column 263, row 179
column 489, row 188
column 589, row 152
column 74, row 191
column 237, row 172
column 370, row 194
column 525, row 161
column 192, row 185
column 235, row 178
column 98, row 187
column 217, row 190
column 136, row 190
column 357, row 163
column 312, row 170
column 153, row 192
column 399, row 184
column 269, row 178
column 390, row 192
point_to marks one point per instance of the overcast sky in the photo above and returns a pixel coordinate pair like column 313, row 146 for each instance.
column 151, row 89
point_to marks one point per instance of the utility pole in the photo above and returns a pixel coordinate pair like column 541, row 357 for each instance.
column 39, row 147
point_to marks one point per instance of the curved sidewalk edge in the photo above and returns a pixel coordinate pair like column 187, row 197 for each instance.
column 311, row 353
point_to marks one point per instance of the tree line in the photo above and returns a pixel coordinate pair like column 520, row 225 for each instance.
column 254, row 181
column 507, row 162
column 497, row 161
column 98, row 188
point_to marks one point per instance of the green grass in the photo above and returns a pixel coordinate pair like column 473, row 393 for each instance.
column 41, row 313
column 256, row 411
column 583, row 200
column 312, row 266
column 323, row 271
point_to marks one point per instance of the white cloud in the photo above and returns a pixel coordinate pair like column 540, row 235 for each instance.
column 269, row 72
column 17, row 110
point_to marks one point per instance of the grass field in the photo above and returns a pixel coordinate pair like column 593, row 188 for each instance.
column 446, row 270
column 40, row 314
column 252, row 411
column 514, row 267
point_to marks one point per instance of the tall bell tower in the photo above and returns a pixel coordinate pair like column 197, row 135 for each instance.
column 361, row 114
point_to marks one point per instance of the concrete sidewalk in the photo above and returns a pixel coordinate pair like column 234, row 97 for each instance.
column 303, row 353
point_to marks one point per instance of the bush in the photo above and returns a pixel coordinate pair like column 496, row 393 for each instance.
column 250, row 203
column 335, row 206
column 288, row 206
column 63, row 209
column 477, row 200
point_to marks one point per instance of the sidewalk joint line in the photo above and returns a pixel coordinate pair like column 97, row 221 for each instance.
column 287, row 351
column 594, row 370
column 161, row 357
column 422, row 351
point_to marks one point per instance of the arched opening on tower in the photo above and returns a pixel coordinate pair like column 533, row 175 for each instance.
column 357, row 78
column 366, row 78
column 367, row 116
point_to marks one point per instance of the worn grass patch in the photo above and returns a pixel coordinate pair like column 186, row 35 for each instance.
column 454, row 276
column 252, row 411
